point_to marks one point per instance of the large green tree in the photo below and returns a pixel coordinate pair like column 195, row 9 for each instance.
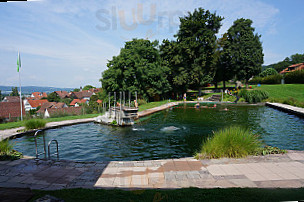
column 137, row 68
column 196, row 43
column 88, row 87
column 53, row 97
column 245, row 50
column 14, row 92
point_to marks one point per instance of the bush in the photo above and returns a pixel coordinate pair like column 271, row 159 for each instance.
column 295, row 77
column 254, row 96
column 272, row 79
column 232, row 142
column 34, row 124
column 142, row 101
column 268, row 72
column 255, row 80
column 7, row 152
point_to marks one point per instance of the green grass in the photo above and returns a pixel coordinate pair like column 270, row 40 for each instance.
column 186, row 194
column 17, row 124
column 291, row 94
column 152, row 104
column 279, row 91
column 232, row 142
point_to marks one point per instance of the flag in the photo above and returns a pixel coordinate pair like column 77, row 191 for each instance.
column 18, row 62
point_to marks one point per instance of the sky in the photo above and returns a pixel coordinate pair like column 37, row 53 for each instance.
column 67, row 43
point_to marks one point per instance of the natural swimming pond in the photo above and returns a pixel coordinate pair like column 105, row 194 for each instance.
column 172, row 133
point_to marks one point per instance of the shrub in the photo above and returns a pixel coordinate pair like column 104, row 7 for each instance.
column 232, row 142
column 295, row 77
column 255, row 80
column 268, row 72
column 272, row 79
column 254, row 96
column 35, row 124
column 7, row 152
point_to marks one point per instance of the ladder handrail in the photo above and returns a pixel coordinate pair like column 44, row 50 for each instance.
column 44, row 145
column 49, row 150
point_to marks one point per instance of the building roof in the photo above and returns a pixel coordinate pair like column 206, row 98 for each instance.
column 37, row 103
column 51, row 105
column 77, row 101
column 38, row 95
column 62, row 94
column 11, row 99
column 69, row 110
column 11, row 109
column 81, row 94
column 291, row 68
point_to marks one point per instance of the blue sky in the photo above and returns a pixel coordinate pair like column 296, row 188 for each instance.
column 67, row 43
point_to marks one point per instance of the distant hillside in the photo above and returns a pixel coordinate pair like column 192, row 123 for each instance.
column 31, row 89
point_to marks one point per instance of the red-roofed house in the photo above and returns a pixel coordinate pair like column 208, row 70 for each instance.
column 76, row 102
column 85, row 94
column 33, row 104
column 38, row 95
column 51, row 105
column 62, row 94
column 11, row 99
column 10, row 110
column 292, row 68
column 70, row 110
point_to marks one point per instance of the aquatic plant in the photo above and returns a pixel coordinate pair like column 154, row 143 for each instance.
column 7, row 152
column 232, row 142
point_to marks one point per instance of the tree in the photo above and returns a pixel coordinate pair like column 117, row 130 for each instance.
column 88, row 87
column 196, row 41
column 0, row 96
column 222, row 57
column 14, row 92
column 76, row 90
column 137, row 68
column 245, row 49
column 268, row 72
column 53, row 97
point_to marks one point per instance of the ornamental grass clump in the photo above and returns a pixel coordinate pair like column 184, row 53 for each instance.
column 232, row 142
column 34, row 124
column 7, row 152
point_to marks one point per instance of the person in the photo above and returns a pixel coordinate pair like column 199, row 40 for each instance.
column 214, row 106
column 135, row 104
column 226, row 109
column 197, row 105
column 118, row 104
column 185, row 97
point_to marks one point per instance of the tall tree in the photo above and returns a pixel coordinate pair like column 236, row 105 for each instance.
column 137, row 68
column 88, row 87
column 245, row 49
column 196, row 40
column 14, row 92
column 0, row 96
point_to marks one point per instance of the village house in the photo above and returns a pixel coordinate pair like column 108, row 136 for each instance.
column 11, row 99
column 50, row 105
column 37, row 96
column 33, row 104
column 85, row 94
column 292, row 68
column 10, row 110
column 62, row 94
column 77, row 102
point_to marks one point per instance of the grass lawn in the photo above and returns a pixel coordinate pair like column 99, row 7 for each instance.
column 187, row 194
column 17, row 124
column 152, row 104
column 279, row 91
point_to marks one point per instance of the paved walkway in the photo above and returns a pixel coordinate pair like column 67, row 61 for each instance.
column 287, row 108
column 284, row 171
column 14, row 131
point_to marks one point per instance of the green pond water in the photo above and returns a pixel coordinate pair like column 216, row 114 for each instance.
column 172, row 133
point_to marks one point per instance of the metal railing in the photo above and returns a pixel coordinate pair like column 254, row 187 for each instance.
column 44, row 147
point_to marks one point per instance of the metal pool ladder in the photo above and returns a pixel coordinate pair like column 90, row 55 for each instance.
column 44, row 147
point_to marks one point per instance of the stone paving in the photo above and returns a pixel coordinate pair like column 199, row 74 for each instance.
column 271, row 171
column 287, row 108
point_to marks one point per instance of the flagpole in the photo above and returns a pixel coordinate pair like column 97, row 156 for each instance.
column 20, row 96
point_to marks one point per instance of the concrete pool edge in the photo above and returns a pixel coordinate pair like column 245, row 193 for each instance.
column 270, row 171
